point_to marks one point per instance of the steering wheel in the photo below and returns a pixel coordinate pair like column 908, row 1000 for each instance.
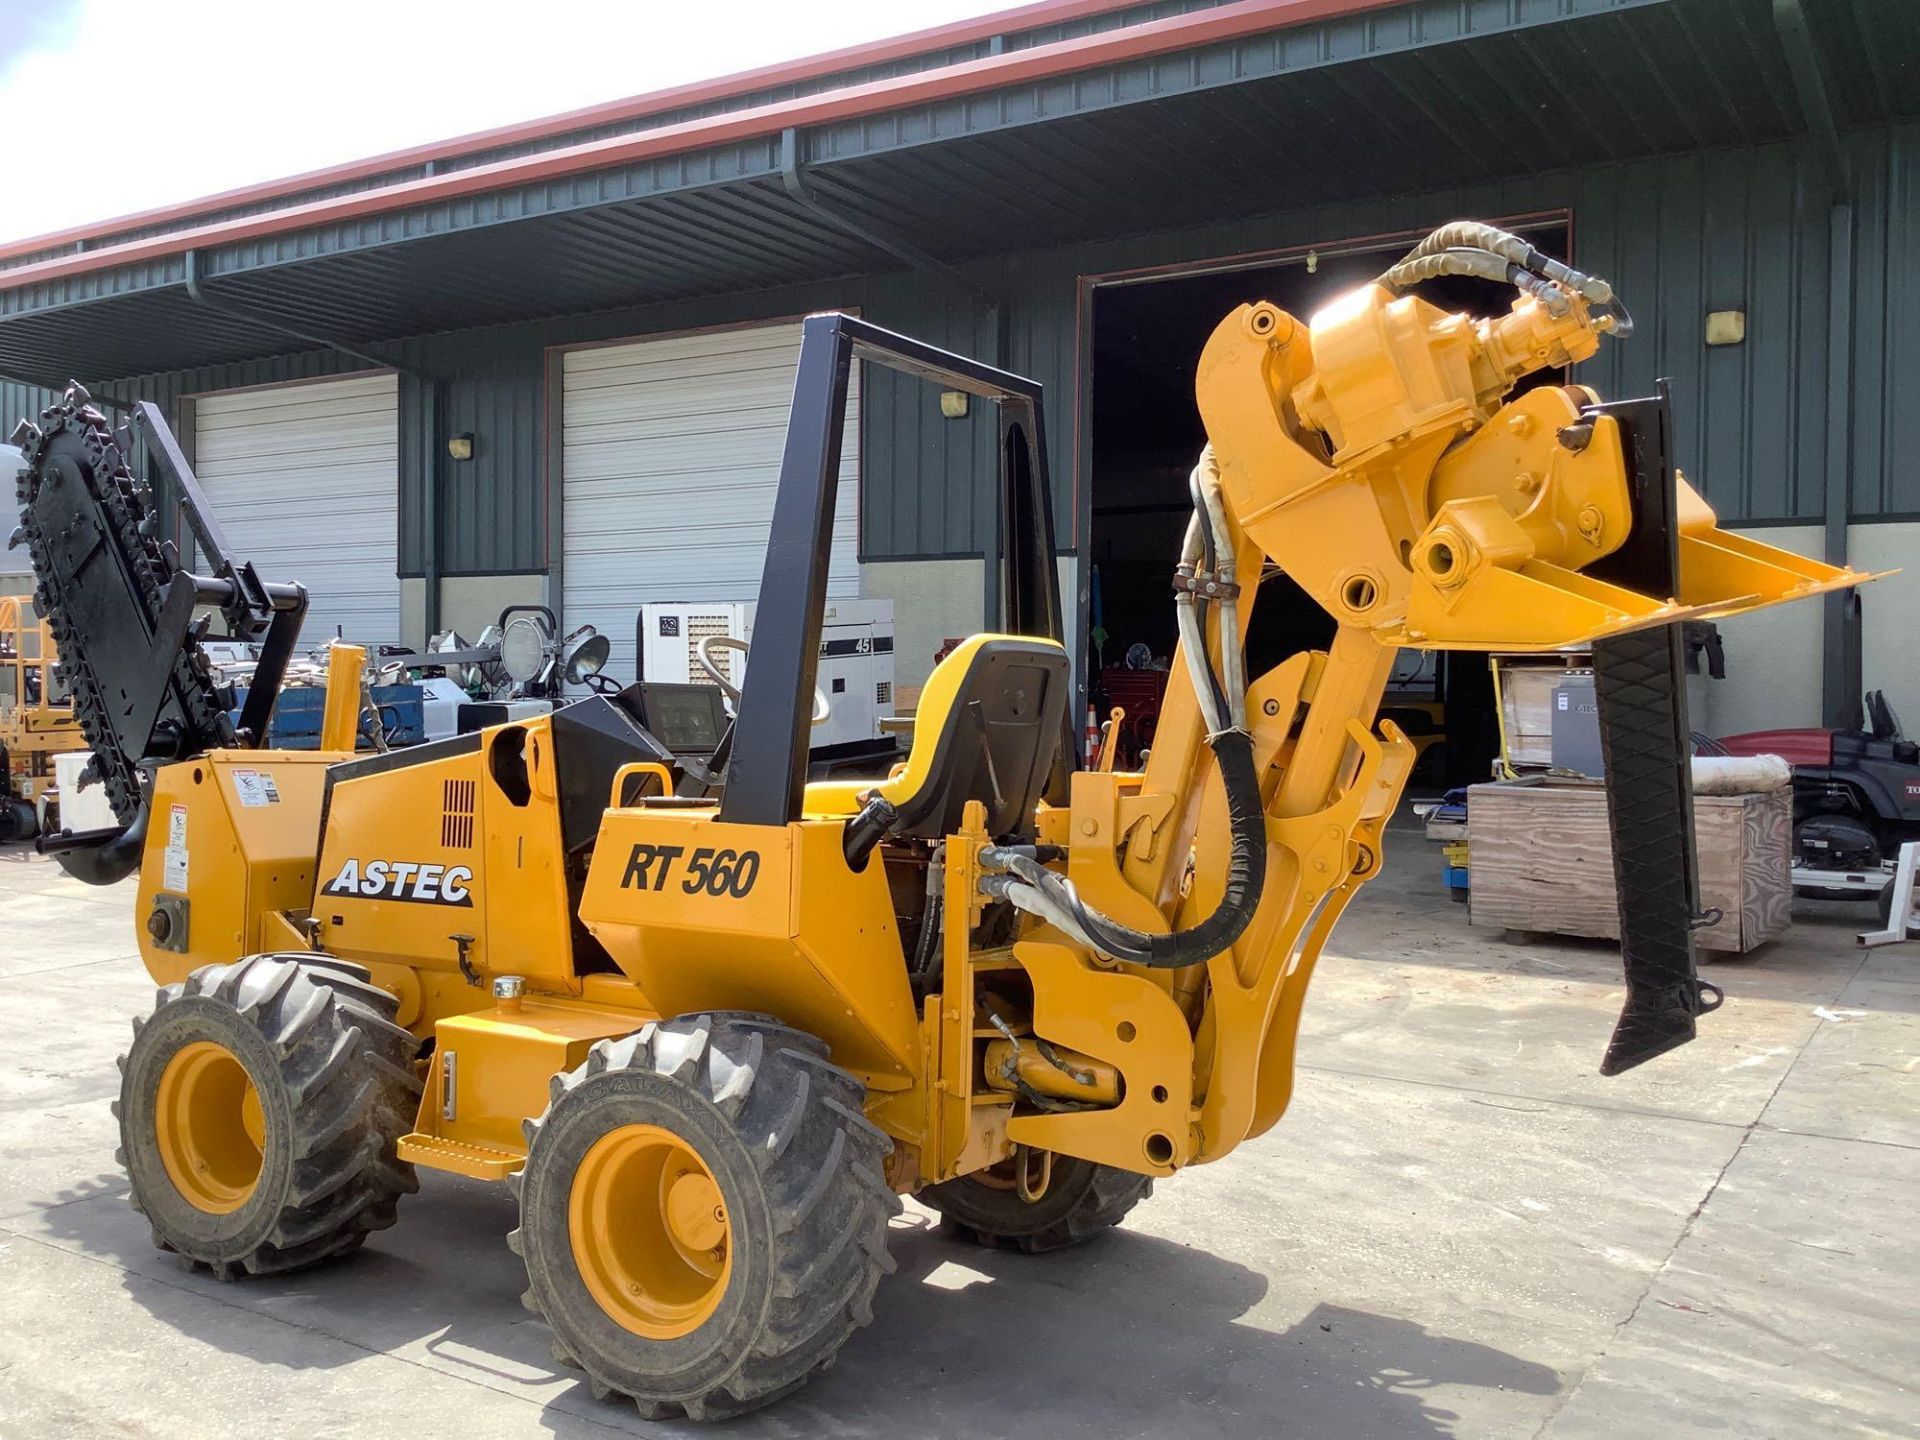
column 822, row 707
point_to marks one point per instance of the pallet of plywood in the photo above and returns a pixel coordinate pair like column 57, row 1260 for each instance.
column 1543, row 861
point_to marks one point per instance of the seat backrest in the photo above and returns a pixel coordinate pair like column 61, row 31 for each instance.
column 988, row 727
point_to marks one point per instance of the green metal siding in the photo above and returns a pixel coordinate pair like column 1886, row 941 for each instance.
column 494, row 508
column 17, row 402
column 921, row 490
column 1885, row 478
column 1680, row 236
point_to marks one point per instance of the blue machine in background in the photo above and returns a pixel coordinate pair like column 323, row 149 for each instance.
column 296, row 716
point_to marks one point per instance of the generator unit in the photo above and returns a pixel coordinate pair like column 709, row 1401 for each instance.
column 685, row 642
column 1576, row 725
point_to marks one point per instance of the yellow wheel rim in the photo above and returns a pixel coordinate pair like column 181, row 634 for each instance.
column 650, row 1233
column 210, row 1127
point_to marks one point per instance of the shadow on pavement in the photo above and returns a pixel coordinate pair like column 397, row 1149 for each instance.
column 1128, row 1335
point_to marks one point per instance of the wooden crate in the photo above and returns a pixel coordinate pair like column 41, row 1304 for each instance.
column 1542, row 860
column 1526, row 704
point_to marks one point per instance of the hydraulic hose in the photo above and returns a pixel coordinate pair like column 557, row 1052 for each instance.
column 1190, row 619
column 1467, row 247
column 1482, row 264
column 1206, row 562
column 1473, row 235
column 1246, row 877
column 1233, row 668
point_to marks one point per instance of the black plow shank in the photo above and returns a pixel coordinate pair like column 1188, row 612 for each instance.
column 1640, row 684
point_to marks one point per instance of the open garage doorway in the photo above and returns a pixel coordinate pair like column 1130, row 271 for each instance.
column 1147, row 330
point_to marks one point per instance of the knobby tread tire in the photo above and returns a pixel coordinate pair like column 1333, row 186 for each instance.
column 337, row 1086
column 1083, row 1200
column 800, row 1167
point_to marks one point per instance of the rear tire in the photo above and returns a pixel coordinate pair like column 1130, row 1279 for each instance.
column 1082, row 1200
column 715, row 1308
column 259, row 1108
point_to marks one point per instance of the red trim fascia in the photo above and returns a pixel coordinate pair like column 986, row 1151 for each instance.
column 1153, row 38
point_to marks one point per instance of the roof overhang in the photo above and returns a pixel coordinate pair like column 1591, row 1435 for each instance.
column 1236, row 109
column 921, row 49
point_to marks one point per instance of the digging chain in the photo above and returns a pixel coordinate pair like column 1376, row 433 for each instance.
column 74, row 438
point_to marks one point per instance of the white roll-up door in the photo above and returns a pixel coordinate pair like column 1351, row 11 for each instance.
column 671, row 453
column 305, row 480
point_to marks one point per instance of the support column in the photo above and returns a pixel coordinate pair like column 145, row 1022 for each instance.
column 1840, row 631
column 1840, row 635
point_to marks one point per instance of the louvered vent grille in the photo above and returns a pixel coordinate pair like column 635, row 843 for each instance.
column 456, row 820
column 698, row 628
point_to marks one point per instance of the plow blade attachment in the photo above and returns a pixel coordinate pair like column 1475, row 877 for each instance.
column 1643, row 736
column 1640, row 685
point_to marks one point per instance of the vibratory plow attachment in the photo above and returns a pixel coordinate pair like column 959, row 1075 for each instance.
column 1379, row 456
column 1559, row 525
column 1666, row 563
column 1677, row 563
column 1649, row 555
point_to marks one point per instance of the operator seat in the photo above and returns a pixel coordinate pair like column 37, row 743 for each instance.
column 989, row 727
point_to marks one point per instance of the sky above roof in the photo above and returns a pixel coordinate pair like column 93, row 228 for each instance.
column 115, row 106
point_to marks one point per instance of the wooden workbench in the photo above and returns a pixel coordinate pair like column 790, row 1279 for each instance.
column 1540, row 859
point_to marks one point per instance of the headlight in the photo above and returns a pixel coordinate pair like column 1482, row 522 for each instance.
column 584, row 653
column 523, row 648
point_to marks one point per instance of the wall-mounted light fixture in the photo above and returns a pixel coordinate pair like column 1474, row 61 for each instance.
column 1726, row 327
column 460, row 446
column 953, row 404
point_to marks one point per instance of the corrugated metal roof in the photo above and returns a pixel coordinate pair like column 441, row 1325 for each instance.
column 1424, row 95
column 296, row 211
column 1872, row 47
column 1018, row 28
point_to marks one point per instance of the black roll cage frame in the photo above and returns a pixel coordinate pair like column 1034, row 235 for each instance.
column 767, row 774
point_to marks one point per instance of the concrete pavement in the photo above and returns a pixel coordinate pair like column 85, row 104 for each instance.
column 1460, row 1229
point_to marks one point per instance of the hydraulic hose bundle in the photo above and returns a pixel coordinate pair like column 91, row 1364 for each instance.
column 1467, row 247
column 1204, row 583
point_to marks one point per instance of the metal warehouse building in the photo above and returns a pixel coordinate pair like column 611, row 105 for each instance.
column 606, row 303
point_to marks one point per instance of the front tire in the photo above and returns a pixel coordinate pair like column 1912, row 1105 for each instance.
column 703, row 1215
column 259, row 1109
column 1081, row 1200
